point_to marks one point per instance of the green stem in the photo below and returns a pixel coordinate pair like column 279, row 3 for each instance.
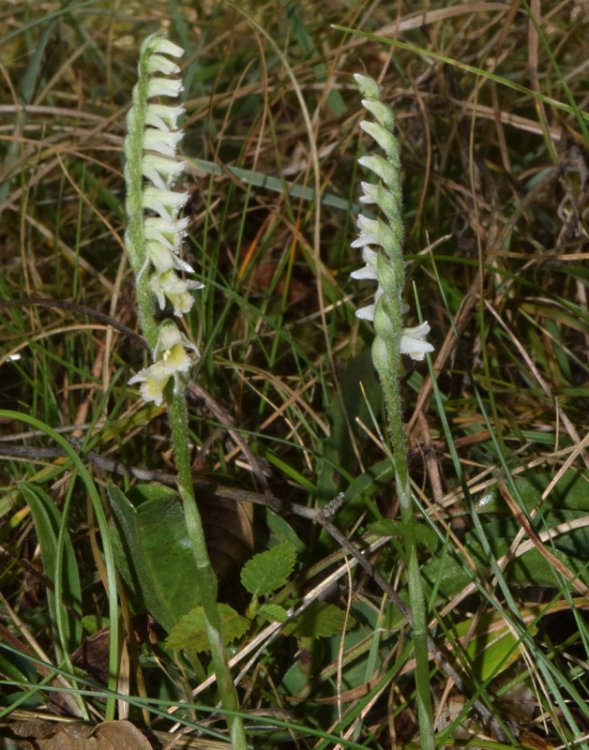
column 386, row 354
column 391, row 385
column 207, row 580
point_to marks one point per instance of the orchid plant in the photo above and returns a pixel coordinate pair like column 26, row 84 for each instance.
column 154, row 237
column 381, row 241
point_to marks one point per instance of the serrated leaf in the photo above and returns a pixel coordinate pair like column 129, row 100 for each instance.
column 272, row 613
column 190, row 634
column 268, row 570
column 319, row 620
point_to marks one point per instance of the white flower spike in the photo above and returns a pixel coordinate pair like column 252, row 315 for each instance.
column 155, row 228
column 381, row 240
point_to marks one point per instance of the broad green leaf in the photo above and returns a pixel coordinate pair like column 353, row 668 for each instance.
column 319, row 620
column 153, row 552
column 268, row 571
column 492, row 646
column 272, row 613
column 190, row 633
column 568, row 501
column 48, row 519
column 570, row 493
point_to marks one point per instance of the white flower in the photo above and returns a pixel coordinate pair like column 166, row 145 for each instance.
column 160, row 64
column 153, row 380
column 373, row 232
column 163, row 46
column 367, row 313
column 169, row 337
column 171, row 352
column 370, row 257
column 413, row 341
column 160, row 171
column 370, row 193
column 381, row 112
column 368, row 86
column 169, row 232
column 163, row 116
column 166, row 203
column 163, row 259
column 387, row 199
column 381, row 168
column 163, row 142
column 164, row 87
column 177, row 290
column 385, row 139
column 172, row 360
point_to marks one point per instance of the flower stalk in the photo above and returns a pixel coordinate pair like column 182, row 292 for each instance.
column 381, row 241
column 154, row 236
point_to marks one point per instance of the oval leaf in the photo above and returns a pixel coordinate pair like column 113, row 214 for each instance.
column 268, row 570
column 153, row 551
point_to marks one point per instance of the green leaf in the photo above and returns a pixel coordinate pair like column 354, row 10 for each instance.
column 272, row 613
column 319, row 620
column 402, row 529
column 152, row 551
column 93, row 623
column 282, row 531
column 268, row 570
column 15, row 666
column 48, row 520
column 376, row 478
column 568, row 501
column 492, row 646
column 190, row 634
